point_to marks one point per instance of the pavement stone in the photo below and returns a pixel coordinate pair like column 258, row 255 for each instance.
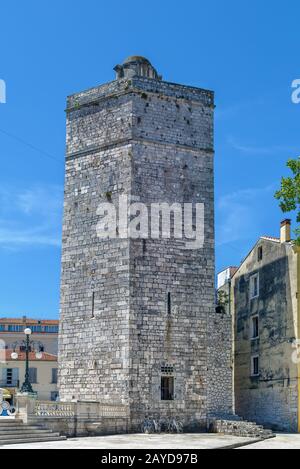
column 139, row 441
column 282, row 441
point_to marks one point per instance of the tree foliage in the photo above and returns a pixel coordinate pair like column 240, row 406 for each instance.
column 222, row 302
column 289, row 194
column 223, row 298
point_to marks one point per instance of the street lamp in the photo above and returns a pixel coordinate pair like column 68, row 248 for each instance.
column 26, row 387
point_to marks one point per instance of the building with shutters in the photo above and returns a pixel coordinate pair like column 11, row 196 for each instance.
column 42, row 374
column 265, row 293
column 44, row 332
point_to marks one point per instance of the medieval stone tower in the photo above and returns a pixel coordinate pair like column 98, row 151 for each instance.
column 138, row 321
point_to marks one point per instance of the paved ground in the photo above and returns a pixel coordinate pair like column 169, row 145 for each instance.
column 186, row 441
column 282, row 441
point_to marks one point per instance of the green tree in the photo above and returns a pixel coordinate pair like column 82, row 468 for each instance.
column 289, row 194
column 222, row 301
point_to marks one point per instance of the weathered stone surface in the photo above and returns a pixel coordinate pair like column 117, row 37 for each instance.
column 271, row 397
column 240, row 428
column 153, row 141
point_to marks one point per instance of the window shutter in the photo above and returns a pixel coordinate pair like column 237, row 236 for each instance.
column 33, row 375
column 3, row 376
column 54, row 375
column 15, row 375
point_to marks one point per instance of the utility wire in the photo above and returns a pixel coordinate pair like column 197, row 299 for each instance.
column 29, row 145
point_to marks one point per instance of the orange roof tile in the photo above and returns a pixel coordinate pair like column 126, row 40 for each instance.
column 47, row 357
column 28, row 321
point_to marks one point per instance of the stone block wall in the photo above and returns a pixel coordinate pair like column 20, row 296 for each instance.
column 152, row 141
column 94, row 326
column 220, row 365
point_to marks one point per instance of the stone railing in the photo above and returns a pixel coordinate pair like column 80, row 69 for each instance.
column 80, row 418
column 54, row 409
column 63, row 409
column 111, row 411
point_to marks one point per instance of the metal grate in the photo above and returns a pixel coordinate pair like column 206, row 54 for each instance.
column 167, row 370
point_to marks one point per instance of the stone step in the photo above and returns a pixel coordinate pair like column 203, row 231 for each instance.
column 21, row 431
column 16, row 425
column 233, row 426
column 28, row 435
column 31, row 440
column 16, row 432
column 258, row 428
column 9, row 427
column 7, row 423
column 24, row 425
column 10, row 419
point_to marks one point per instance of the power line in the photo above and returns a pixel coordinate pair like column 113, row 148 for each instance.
column 29, row 145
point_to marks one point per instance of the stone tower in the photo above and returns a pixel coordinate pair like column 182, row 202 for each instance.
column 138, row 322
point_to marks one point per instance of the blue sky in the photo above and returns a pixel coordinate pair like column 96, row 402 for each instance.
column 246, row 51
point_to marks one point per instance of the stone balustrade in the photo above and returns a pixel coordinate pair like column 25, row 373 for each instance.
column 74, row 418
column 54, row 409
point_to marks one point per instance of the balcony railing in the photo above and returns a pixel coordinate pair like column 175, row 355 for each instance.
column 10, row 384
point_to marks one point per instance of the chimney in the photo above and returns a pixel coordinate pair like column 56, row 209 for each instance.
column 285, row 231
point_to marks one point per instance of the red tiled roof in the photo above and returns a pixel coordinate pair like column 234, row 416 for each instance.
column 47, row 357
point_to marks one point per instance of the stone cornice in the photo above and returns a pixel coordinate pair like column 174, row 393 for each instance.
column 138, row 85
column 130, row 141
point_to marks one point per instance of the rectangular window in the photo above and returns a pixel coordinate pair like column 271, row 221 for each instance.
column 260, row 254
column 10, row 377
column 169, row 304
column 36, row 328
column 167, row 388
column 14, row 328
column 254, row 286
column 144, row 247
column 54, row 396
column 2, row 327
column 93, row 304
column 51, row 329
column 255, row 366
column 54, row 376
column 255, row 327
column 33, row 375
